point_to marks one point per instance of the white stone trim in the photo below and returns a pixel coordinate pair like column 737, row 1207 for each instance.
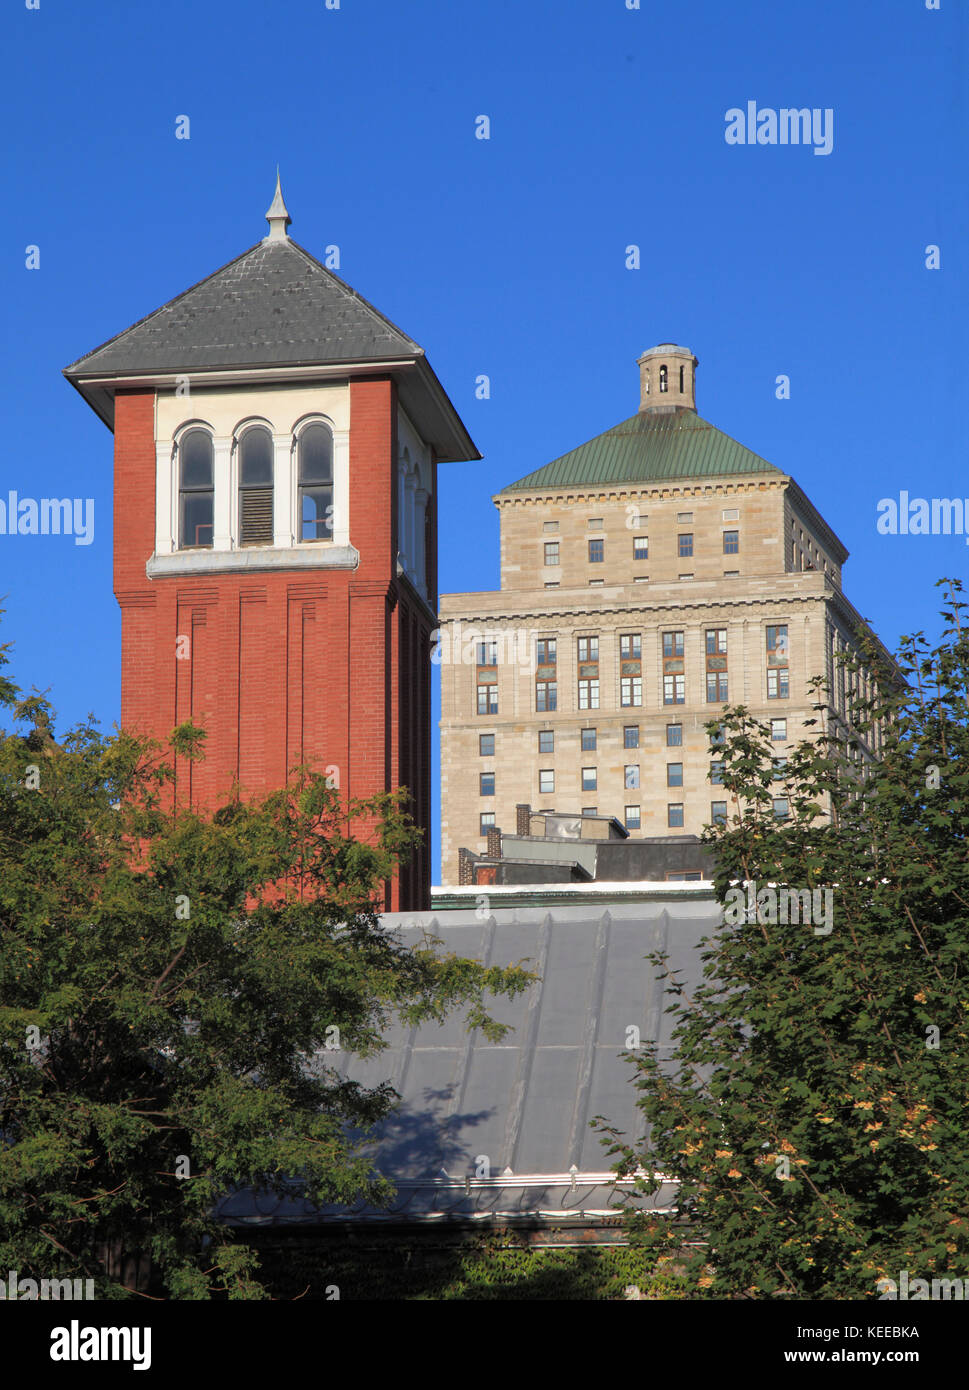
column 261, row 557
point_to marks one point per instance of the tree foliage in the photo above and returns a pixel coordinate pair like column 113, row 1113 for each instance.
column 814, row 1111
column 169, row 983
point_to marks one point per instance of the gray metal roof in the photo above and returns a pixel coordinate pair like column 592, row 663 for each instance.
column 524, row 1102
column 275, row 305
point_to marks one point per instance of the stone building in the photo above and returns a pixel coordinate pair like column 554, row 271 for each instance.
column 648, row 577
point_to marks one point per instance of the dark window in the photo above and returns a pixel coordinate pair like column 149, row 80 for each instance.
column 487, row 783
column 546, row 740
column 640, row 547
column 674, row 774
column 674, row 735
column 597, row 551
column 256, row 487
column 716, row 774
column 718, row 812
column 588, row 740
column 315, row 451
column 630, row 736
column 664, row 378
column 731, row 542
column 674, row 814
column 682, row 379
column 685, row 543
column 196, row 491
column 486, row 745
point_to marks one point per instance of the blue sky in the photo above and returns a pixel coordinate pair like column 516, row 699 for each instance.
column 504, row 257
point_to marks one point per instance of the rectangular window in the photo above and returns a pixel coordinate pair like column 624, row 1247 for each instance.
column 588, row 740
column 631, row 776
column 550, row 526
column 546, row 696
column 674, row 690
column 779, row 769
column 486, row 745
column 718, row 812
column 630, row 691
column 593, row 582
column 717, row 737
column 781, row 808
column 588, row 663
column 640, row 547
column 486, row 819
column 488, row 653
column 546, row 688
column 488, row 699
column 685, row 544
column 716, row 774
column 674, row 774
column 731, row 542
column 551, row 552
column 674, row 814
column 595, row 523
column 552, row 584
column 597, row 552
column 778, row 730
column 632, row 818
column 778, row 684
column 716, row 657
column 674, row 678
column 684, row 518
column 731, row 514
column 546, row 741
column 546, row 781
column 731, row 574
column 630, row 736
column 590, row 779
column 590, row 810
column 674, row 735
column 630, row 670
column 486, row 784
column 588, row 694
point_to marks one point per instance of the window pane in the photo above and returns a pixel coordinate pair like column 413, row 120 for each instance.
column 546, row 741
column 195, row 452
column 632, row 817
column 196, row 519
column 487, row 780
column 316, row 513
column 674, row 814
column 596, row 551
column 630, row 736
column 685, row 544
column 589, row 779
column 674, row 735
column 316, row 455
column 256, row 459
column 674, row 774
column 486, row 745
column 632, row 775
column 588, row 740
column 718, row 812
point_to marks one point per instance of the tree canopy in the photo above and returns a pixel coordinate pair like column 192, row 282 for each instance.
column 813, row 1114
column 173, row 989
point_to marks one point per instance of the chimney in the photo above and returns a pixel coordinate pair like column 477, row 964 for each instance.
column 493, row 850
column 523, row 819
column 667, row 380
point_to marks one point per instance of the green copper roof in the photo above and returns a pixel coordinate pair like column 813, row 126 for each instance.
column 648, row 446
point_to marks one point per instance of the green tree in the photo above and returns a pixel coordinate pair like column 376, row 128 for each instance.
column 814, row 1111
column 169, row 985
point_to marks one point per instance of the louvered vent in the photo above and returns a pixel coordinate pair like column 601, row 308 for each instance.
column 257, row 516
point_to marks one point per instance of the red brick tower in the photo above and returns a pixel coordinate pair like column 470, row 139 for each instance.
column 275, row 514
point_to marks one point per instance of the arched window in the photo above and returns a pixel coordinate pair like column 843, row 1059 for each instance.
column 256, row 487
column 196, row 494
column 682, row 378
column 664, row 377
column 315, row 462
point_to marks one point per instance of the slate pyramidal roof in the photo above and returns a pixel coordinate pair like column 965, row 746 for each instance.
column 273, row 311
column 650, row 445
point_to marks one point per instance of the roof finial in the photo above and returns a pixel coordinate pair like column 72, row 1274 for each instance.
column 277, row 216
